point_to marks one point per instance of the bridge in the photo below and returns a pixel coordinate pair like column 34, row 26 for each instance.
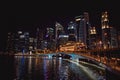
column 75, row 57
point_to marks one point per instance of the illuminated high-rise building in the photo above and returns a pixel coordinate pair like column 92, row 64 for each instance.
column 31, row 44
column 105, row 30
column 39, row 38
column 22, row 41
column 59, row 29
column 17, row 41
column 83, row 27
column 92, row 38
column 105, row 20
column 51, row 45
column 113, row 40
column 109, row 35
column 72, row 31
column 50, row 34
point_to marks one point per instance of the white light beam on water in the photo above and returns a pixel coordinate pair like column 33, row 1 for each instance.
column 85, row 69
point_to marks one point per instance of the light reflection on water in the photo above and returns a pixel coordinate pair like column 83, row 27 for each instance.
column 44, row 68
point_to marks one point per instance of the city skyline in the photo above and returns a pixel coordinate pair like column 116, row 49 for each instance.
column 30, row 19
column 70, row 39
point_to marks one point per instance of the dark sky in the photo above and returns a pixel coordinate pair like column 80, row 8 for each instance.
column 29, row 16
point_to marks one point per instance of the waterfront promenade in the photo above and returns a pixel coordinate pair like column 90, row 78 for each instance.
column 108, row 57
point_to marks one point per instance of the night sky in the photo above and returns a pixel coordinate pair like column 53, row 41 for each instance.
column 29, row 16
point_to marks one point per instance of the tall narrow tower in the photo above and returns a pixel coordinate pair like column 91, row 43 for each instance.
column 10, row 42
column 58, row 30
column 39, row 37
column 105, row 30
column 104, row 20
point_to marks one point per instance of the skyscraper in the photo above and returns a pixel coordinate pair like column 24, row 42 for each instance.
column 92, row 38
column 51, row 45
column 39, row 38
column 109, row 34
column 83, row 27
column 10, row 42
column 72, row 31
column 59, row 30
column 105, row 30
column 50, row 34
column 114, row 40
column 22, row 42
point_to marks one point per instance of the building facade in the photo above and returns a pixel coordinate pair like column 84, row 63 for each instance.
column 72, row 31
column 83, row 27
column 10, row 43
column 109, row 34
column 59, row 30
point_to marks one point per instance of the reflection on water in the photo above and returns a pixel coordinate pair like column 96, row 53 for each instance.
column 44, row 68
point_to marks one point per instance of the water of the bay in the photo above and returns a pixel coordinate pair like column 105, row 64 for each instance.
column 45, row 68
